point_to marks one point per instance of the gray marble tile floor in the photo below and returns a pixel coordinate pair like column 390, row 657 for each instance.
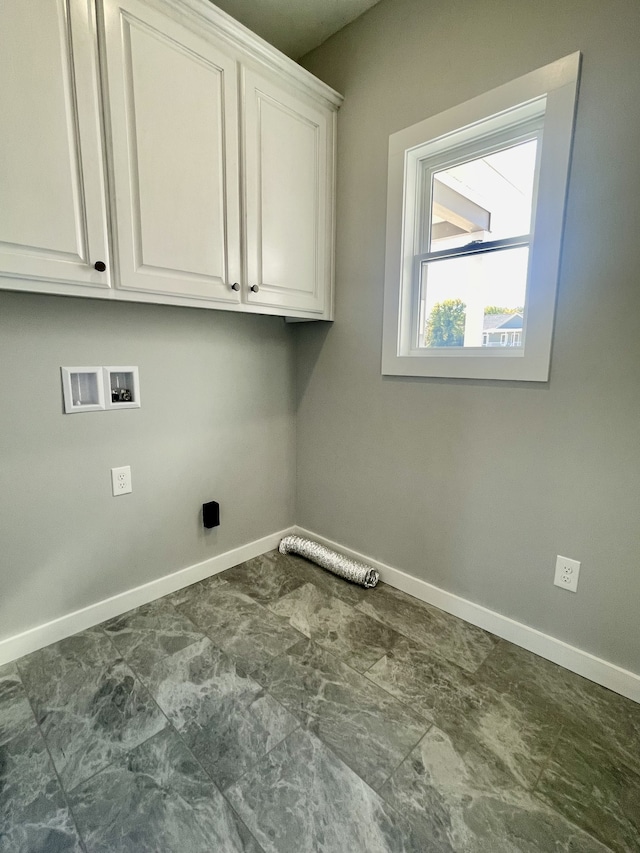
column 274, row 708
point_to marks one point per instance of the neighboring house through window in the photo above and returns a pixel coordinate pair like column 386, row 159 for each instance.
column 502, row 330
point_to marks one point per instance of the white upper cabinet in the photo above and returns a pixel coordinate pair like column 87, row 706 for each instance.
column 218, row 153
column 174, row 130
column 288, row 171
column 52, row 210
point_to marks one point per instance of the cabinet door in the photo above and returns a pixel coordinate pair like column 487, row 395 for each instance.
column 52, row 209
column 288, row 173
column 174, row 129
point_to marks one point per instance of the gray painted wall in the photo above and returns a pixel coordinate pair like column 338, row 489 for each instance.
column 476, row 486
column 217, row 422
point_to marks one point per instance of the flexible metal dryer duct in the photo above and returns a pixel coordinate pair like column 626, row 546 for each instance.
column 336, row 563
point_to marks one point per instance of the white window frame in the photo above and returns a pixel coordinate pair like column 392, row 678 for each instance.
column 548, row 94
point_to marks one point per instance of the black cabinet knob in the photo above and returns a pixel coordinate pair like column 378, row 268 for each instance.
column 235, row 286
column 100, row 266
column 254, row 288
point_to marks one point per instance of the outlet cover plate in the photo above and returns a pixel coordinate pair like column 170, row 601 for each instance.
column 567, row 571
column 121, row 481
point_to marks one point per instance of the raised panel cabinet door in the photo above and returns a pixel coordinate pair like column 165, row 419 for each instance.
column 52, row 199
column 174, row 130
column 288, row 175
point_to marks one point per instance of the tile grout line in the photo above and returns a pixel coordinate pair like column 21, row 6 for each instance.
column 63, row 790
column 365, row 672
column 304, row 727
column 430, row 723
column 268, row 606
column 148, row 692
column 305, row 723
column 168, row 654
column 397, row 698
column 178, row 734
column 538, row 796
column 492, row 652
column 402, row 761
column 263, row 756
column 223, row 791
column 331, row 654
column 251, row 600
column 547, row 761
column 375, row 618
column 363, row 675
column 170, row 726
column 114, row 762
column 418, row 643
column 429, row 609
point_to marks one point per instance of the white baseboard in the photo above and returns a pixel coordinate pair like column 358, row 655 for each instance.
column 43, row 635
column 596, row 669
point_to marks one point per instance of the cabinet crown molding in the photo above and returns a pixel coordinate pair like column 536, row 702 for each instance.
column 240, row 36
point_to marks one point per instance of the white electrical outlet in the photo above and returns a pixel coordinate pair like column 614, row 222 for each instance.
column 567, row 572
column 121, row 480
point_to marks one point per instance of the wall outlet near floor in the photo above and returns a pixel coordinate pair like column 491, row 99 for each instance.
column 121, row 480
column 567, row 572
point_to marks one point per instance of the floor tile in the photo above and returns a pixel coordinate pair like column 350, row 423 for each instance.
column 60, row 670
column 244, row 629
column 592, row 711
column 225, row 717
column 444, row 635
column 302, row 799
column 417, row 677
column 16, row 715
column 336, row 626
column 506, row 740
column 45, row 826
column 33, row 813
column 446, row 741
column 366, row 727
column 150, row 633
column 595, row 789
column 88, row 703
column 202, row 588
column 440, row 794
column 26, row 773
column 265, row 578
column 157, row 798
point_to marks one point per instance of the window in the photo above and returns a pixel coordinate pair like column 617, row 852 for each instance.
column 474, row 218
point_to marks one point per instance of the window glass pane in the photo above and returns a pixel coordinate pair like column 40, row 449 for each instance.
column 473, row 300
column 488, row 198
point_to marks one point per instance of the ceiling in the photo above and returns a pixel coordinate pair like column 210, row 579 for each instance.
column 295, row 26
